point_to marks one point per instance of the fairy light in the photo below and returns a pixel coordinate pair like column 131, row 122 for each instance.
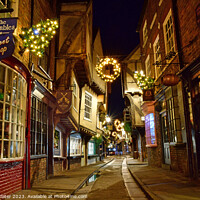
column 142, row 81
column 100, row 67
column 37, row 38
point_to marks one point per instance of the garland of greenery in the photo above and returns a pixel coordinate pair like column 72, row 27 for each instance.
column 144, row 82
column 100, row 67
column 37, row 38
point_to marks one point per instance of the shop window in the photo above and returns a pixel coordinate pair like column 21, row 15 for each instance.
column 75, row 145
column 75, row 91
column 169, row 33
column 150, row 130
column 13, row 90
column 88, row 105
column 57, row 143
column 157, row 56
column 38, row 127
column 91, row 148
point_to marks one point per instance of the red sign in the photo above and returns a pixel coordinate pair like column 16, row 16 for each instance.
column 64, row 100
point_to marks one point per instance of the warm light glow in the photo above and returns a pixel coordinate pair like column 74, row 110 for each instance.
column 101, row 67
column 40, row 35
column 108, row 119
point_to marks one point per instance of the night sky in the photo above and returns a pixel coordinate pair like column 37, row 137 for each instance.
column 117, row 20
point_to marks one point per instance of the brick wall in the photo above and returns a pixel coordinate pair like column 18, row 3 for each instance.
column 11, row 179
column 189, row 30
column 58, row 167
column 155, row 154
column 75, row 163
column 38, row 170
column 179, row 159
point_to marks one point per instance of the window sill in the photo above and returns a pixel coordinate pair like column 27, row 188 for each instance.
column 59, row 158
column 76, row 156
column 87, row 119
column 38, row 156
column 151, row 145
column 8, row 160
column 180, row 144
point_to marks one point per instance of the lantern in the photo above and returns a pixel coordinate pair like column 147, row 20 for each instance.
column 170, row 79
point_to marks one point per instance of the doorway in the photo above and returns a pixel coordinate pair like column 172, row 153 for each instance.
column 166, row 149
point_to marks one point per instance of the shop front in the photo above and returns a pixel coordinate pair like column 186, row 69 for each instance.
column 14, row 115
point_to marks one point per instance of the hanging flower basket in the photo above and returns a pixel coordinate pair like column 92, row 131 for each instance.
column 144, row 82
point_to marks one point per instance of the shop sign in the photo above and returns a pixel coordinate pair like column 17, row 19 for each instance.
column 148, row 95
column 7, row 27
column 198, row 15
column 64, row 100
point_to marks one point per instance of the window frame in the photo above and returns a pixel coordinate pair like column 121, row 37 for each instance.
column 165, row 32
column 75, row 142
column 148, row 66
column 157, row 56
column 148, row 129
column 88, row 106
column 145, row 33
column 13, row 98
column 91, row 143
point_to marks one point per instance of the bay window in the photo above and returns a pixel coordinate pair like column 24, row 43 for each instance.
column 13, row 90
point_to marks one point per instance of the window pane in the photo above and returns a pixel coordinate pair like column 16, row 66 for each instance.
column 2, row 74
column 13, row 131
column 11, row 149
column 1, row 111
column 14, row 97
column 6, row 130
column 5, row 149
column 7, row 112
column 1, row 92
column 17, row 149
column 0, row 148
column 8, row 94
column 15, row 79
column 0, row 131
column 9, row 77
column 14, row 114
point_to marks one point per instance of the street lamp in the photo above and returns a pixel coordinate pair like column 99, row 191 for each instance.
column 108, row 119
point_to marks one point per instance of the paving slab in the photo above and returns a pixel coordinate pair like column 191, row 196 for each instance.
column 164, row 184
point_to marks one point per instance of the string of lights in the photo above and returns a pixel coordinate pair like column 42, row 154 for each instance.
column 37, row 38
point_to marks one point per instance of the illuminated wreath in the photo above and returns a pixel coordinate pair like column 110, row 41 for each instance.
column 108, row 69
column 114, row 134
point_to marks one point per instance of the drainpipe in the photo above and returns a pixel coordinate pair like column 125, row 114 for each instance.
column 28, row 135
column 186, row 108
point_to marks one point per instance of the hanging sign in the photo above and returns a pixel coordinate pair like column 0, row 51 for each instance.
column 148, row 95
column 64, row 99
column 7, row 27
